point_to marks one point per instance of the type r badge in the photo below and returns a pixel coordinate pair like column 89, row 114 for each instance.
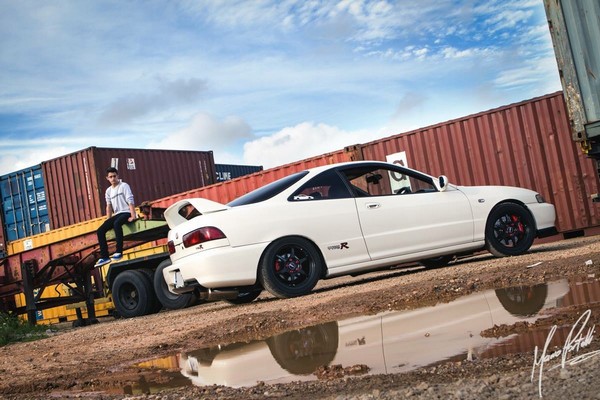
column 341, row 246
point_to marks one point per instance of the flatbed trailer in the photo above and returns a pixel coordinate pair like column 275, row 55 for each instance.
column 67, row 256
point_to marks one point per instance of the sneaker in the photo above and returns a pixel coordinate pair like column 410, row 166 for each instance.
column 117, row 256
column 102, row 262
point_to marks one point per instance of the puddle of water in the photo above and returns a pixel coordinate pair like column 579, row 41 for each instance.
column 390, row 342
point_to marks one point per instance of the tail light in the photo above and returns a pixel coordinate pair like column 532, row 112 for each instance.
column 171, row 246
column 202, row 235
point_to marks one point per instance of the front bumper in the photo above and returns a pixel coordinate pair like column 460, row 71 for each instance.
column 544, row 215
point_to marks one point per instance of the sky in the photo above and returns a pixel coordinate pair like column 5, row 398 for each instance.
column 258, row 82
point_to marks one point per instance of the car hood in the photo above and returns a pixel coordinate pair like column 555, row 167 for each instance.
column 174, row 216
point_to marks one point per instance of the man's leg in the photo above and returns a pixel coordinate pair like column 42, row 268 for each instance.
column 105, row 227
column 120, row 220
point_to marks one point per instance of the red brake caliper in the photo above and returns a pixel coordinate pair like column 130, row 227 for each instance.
column 520, row 226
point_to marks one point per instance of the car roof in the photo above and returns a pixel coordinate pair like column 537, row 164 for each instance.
column 346, row 163
column 322, row 168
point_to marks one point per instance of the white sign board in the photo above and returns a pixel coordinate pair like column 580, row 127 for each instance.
column 398, row 181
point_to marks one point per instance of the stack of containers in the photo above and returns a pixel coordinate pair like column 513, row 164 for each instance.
column 69, row 190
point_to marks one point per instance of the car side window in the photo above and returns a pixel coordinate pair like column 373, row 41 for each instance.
column 378, row 181
column 327, row 185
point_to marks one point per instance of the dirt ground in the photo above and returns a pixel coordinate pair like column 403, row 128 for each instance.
column 99, row 361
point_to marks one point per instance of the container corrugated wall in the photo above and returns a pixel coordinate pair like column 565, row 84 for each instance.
column 227, row 172
column 73, row 188
column 226, row 191
column 76, row 182
column 24, row 206
column 526, row 144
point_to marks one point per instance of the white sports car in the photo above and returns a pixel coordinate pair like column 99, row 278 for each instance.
column 342, row 219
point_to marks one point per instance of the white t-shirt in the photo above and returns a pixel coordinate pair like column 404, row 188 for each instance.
column 119, row 197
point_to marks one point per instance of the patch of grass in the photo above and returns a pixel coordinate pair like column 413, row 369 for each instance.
column 13, row 329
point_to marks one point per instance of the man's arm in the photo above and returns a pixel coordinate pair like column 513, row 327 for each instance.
column 132, row 211
column 109, row 211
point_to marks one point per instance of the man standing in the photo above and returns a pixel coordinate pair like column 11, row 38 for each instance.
column 120, row 209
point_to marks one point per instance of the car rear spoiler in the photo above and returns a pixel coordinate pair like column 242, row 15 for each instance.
column 184, row 210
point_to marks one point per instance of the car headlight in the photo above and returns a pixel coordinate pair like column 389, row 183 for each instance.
column 540, row 198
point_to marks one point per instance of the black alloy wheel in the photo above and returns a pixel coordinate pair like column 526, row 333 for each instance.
column 510, row 230
column 290, row 267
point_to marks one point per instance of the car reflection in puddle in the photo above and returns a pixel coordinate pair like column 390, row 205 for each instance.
column 390, row 342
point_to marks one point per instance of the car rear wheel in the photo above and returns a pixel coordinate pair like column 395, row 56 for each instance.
column 510, row 230
column 290, row 267
column 303, row 351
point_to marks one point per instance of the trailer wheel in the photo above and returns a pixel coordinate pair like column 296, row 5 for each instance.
column 156, row 305
column 170, row 300
column 132, row 294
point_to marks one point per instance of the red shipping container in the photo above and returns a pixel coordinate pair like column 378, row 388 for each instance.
column 76, row 182
column 526, row 144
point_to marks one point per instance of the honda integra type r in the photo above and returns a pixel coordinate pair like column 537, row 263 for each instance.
column 341, row 219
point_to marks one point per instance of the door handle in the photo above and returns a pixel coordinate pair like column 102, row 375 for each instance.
column 372, row 206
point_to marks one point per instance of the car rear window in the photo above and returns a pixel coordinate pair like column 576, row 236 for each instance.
column 266, row 192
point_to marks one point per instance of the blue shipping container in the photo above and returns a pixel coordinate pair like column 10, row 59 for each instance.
column 226, row 172
column 24, row 208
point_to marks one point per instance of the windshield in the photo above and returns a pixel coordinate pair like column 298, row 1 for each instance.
column 266, row 192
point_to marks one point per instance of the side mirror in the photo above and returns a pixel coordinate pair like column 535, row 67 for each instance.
column 441, row 183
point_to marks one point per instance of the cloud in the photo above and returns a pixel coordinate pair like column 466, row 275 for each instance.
column 206, row 132
column 408, row 103
column 12, row 160
column 167, row 95
column 299, row 142
column 296, row 78
column 532, row 75
column 509, row 19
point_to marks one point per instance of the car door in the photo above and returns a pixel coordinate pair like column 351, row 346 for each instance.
column 324, row 210
column 401, row 213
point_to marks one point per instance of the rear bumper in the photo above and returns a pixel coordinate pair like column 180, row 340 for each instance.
column 221, row 267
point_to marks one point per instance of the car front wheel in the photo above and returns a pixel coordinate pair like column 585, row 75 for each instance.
column 510, row 230
column 290, row 267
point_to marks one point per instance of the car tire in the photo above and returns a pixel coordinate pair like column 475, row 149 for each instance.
column 523, row 301
column 132, row 293
column 437, row 262
column 170, row 300
column 245, row 297
column 510, row 230
column 290, row 267
column 303, row 351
